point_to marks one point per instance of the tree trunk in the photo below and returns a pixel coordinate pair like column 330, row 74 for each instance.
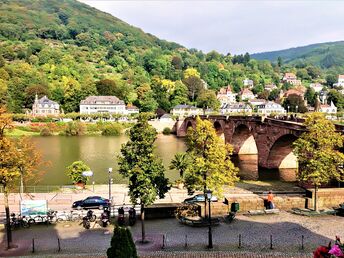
column 143, row 231
column 8, row 226
column 315, row 197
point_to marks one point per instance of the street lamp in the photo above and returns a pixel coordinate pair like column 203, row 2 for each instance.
column 296, row 108
column 288, row 109
column 110, row 171
column 210, row 235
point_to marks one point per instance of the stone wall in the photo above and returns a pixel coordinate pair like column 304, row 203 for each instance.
column 327, row 197
column 255, row 202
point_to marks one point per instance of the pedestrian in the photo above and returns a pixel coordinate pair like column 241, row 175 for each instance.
column 270, row 200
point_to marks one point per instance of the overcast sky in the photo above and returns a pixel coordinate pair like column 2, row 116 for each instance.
column 233, row 26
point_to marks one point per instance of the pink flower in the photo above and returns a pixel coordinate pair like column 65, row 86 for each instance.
column 335, row 250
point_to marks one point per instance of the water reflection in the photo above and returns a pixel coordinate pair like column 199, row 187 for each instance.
column 99, row 152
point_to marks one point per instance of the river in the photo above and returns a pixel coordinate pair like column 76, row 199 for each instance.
column 100, row 153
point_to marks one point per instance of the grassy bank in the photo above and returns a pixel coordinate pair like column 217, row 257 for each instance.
column 69, row 129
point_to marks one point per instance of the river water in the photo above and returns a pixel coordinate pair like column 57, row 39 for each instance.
column 100, row 153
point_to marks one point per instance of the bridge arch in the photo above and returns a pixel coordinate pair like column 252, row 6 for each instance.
column 188, row 125
column 243, row 140
column 219, row 128
column 281, row 157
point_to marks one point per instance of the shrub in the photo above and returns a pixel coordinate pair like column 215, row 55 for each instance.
column 187, row 210
column 113, row 129
column 75, row 170
column 45, row 132
column 74, row 129
column 167, row 131
column 122, row 244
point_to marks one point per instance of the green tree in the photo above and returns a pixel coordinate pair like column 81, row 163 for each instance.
column 274, row 94
column 180, row 162
column 310, row 96
column 194, row 85
column 143, row 169
column 318, row 153
column 210, row 165
column 337, row 98
column 331, row 79
column 295, row 103
column 122, row 244
column 74, row 171
column 207, row 99
column 279, row 61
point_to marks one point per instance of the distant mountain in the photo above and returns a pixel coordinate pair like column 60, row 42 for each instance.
column 325, row 55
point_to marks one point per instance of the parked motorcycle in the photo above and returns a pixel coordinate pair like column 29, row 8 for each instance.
column 91, row 216
column 86, row 222
column 18, row 222
column 121, row 218
column 35, row 219
column 132, row 216
column 51, row 216
column 105, row 218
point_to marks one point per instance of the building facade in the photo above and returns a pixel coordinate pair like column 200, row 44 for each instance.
column 102, row 104
column 226, row 95
column 45, row 107
column 239, row 107
column 329, row 109
column 186, row 110
column 269, row 108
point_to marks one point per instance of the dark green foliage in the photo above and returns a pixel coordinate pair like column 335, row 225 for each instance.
column 295, row 104
column 122, row 244
column 337, row 98
column 310, row 96
column 167, row 131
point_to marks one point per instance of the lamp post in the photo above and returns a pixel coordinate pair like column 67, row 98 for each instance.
column 210, row 235
column 288, row 109
column 110, row 171
column 297, row 108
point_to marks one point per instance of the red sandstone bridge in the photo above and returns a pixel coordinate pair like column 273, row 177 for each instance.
column 271, row 139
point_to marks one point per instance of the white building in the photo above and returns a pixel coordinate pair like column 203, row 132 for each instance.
column 291, row 78
column 256, row 102
column 226, row 95
column 186, row 110
column 329, row 109
column 317, row 87
column 270, row 87
column 246, row 94
column 102, row 104
column 131, row 109
column 248, row 83
column 45, row 107
column 269, row 108
column 239, row 107
column 340, row 81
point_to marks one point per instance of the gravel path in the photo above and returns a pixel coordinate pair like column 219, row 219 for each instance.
column 286, row 231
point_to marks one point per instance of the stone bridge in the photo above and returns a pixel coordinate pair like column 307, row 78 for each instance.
column 270, row 139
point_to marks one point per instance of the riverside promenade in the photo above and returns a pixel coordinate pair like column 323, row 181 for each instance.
column 62, row 199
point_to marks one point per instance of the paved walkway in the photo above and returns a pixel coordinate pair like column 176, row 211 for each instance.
column 286, row 231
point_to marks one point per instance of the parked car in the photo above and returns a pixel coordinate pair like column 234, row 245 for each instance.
column 199, row 198
column 92, row 202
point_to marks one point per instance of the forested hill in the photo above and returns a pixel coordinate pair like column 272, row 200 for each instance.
column 325, row 55
column 67, row 50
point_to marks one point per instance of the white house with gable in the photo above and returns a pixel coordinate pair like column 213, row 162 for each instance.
column 45, row 107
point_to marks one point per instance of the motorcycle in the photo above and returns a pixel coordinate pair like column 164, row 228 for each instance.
column 105, row 218
column 86, row 222
column 51, row 216
column 35, row 219
column 132, row 216
column 121, row 218
column 18, row 222
column 91, row 216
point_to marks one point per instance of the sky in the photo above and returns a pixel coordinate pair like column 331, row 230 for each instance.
column 233, row 26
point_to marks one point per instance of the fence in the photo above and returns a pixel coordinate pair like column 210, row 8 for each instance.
column 46, row 188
